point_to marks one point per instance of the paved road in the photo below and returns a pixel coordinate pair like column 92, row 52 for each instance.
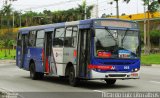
column 14, row 79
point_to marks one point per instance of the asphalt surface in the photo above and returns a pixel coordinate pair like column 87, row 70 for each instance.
column 13, row 79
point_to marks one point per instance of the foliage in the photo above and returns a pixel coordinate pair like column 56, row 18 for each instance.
column 150, row 59
column 153, row 6
column 155, row 37
column 7, row 55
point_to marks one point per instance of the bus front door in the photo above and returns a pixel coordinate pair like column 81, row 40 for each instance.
column 49, row 67
column 83, row 49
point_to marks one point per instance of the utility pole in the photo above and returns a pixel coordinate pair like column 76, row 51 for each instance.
column 145, row 32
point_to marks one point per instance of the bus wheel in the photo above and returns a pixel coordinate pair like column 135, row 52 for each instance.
column 73, row 81
column 33, row 74
column 110, row 81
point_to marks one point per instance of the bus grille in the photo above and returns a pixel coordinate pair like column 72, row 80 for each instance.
column 117, row 75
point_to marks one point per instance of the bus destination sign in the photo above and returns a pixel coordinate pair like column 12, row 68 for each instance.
column 115, row 23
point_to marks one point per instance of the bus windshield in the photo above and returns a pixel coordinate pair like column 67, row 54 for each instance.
column 116, row 43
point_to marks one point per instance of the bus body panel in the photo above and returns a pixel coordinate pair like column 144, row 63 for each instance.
column 34, row 54
column 58, row 56
column 39, row 61
column 25, row 63
column 18, row 57
column 116, row 67
column 70, row 56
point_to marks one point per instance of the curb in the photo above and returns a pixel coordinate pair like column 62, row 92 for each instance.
column 151, row 65
column 146, row 65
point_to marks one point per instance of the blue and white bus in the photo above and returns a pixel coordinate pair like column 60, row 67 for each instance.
column 104, row 49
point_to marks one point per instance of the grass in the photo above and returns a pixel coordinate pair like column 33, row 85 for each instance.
column 150, row 59
column 5, row 54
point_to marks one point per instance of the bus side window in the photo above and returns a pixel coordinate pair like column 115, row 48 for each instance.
column 71, row 37
column 68, row 37
column 32, row 38
column 58, row 39
column 40, row 38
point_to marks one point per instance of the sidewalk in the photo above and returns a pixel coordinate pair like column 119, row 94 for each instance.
column 155, row 65
column 7, row 61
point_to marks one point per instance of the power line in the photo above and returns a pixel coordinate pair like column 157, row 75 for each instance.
column 55, row 4
column 59, row 3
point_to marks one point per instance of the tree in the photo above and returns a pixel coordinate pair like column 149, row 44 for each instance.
column 117, row 6
column 81, row 10
column 6, row 11
column 152, row 7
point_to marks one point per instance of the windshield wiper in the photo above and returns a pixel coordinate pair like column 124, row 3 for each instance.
column 124, row 37
column 111, row 35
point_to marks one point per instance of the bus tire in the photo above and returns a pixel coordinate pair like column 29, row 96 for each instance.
column 110, row 81
column 33, row 73
column 73, row 81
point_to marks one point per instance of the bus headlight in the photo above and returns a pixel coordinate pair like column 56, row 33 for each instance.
column 135, row 69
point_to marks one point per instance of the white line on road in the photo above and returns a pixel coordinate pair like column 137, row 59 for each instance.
column 154, row 82
column 97, row 91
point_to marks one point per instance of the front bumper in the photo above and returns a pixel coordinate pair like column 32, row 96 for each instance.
column 114, row 75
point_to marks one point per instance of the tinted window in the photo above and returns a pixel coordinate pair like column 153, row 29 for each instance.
column 26, row 40
column 32, row 38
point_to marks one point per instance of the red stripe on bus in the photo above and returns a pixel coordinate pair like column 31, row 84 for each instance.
column 102, row 67
column 75, row 53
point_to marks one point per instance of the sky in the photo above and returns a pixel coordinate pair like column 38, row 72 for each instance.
column 133, row 7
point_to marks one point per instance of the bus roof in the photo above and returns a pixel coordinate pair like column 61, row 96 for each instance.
column 80, row 22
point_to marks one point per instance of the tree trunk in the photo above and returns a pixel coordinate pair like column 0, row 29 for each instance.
column 148, row 35
column 117, row 8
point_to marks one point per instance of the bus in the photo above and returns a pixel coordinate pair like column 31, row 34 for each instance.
column 92, row 49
